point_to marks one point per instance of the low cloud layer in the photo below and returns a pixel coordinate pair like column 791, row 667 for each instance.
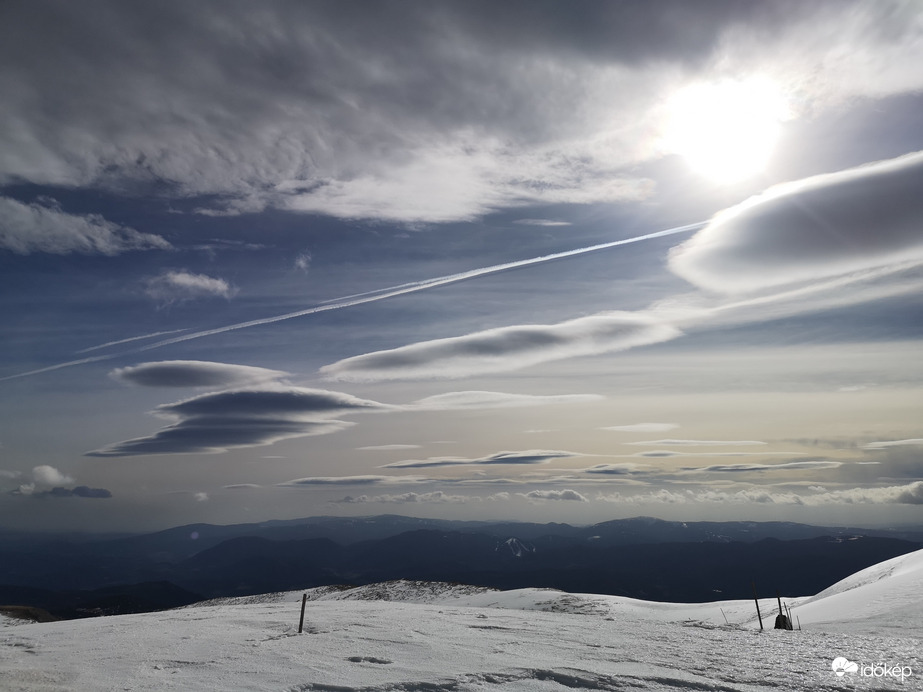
column 193, row 373
column 505, row 348
column 566, row 495
column 49, row 482
column 820, row 227
column 910, row 494
column 35, row 227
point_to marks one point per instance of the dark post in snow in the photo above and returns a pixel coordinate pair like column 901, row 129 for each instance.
column 304, row 599
column 783, row 622
column 757, row 601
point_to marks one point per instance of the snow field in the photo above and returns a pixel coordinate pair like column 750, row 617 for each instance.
column 376, row 639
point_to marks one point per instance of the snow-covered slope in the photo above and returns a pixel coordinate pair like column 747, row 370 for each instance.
column 423, row 637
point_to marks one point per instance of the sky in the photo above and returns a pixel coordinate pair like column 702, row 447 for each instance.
column 538, row 260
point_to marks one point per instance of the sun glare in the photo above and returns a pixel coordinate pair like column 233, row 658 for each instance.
column 726, row 131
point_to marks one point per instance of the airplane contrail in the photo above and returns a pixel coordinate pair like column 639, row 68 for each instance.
column 378, row 294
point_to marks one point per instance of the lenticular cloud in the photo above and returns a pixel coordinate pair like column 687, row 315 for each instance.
column 828, row 225
column 506, row 348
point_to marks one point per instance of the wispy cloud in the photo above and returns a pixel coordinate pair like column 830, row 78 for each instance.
column 541, row 222
column 750, row 468
column 456, row 401
column 34, row 227
column 697, row 443
column 353, row 480
column 642, row 427
column 531, row 456
column 177, row 286
column 885, row 444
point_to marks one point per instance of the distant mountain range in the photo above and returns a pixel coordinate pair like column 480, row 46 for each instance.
column 642, row 557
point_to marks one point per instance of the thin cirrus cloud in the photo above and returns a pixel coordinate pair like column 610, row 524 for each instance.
column 45, row 227
column 642, row 427
column 193, row 373
column 886, row 444
column 245, row 417
column 457, row 401
column 824, row 226
column 505, row 348
column 531, row 456
column 368, row 479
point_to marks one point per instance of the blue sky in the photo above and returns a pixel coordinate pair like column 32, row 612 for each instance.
column 254, row 261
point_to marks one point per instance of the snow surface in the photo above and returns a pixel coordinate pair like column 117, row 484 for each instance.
column 430, row 637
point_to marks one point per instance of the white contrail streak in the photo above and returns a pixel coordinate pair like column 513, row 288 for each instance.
column 379, row 294
column 413, row 287
column 133, row 338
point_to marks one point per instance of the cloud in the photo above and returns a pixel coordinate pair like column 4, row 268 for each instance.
column 455, row 401
column 825, row 226
column 436, row 112
column 910, row 494
column 180, row 286
column 353, row 480
column 554, row 495
column 49, row 476
column 34, row 227
column 617, row 469
column 193, row 373
column 435, row 497
column 698, row 443
column 505, row 348
column 47, row 481
column 248, row 417
column 748, row 468
column 386, row 448
column 541, row 222
column 531, row 456
column 642, row 427
column 893, row 443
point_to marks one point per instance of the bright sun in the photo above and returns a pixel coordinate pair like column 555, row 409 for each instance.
column 726, row 130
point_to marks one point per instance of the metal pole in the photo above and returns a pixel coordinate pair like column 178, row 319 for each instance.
column 304, row 599
column 757, row 601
